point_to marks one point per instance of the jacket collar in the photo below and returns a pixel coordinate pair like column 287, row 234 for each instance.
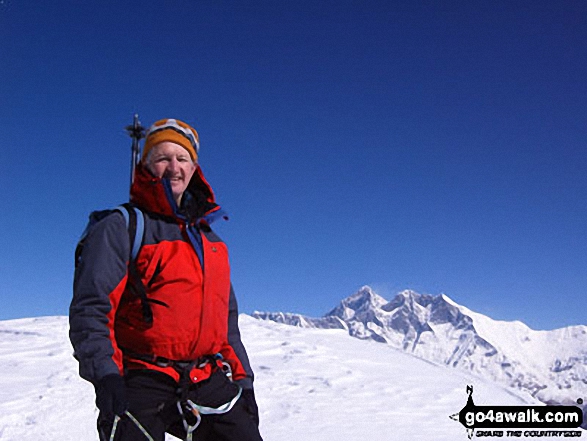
column 154, row 194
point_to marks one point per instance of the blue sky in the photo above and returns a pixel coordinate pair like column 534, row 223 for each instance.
column 434, row 146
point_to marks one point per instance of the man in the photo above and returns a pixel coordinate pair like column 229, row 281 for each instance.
column 157, row 335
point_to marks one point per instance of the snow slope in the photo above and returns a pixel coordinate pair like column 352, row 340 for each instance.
column 311, row 384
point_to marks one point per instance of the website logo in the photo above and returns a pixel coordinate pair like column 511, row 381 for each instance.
column 509, row 421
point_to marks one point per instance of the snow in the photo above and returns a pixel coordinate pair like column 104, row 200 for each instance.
column 311, row 384
column 548, row 365
column 539, row 350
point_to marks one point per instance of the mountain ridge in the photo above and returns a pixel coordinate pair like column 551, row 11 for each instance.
column 549, row 365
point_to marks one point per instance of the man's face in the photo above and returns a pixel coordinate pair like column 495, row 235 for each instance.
column 172, row 161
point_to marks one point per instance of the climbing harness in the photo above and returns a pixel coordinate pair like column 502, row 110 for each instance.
column 189, row 409
column 197, row 411
column 191, row 412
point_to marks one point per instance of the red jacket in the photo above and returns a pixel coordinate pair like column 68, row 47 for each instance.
column 185, row 269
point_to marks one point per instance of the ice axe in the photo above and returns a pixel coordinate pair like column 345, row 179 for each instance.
column 137, row 132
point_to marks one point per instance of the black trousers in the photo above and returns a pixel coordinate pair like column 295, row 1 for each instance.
column 152, row 398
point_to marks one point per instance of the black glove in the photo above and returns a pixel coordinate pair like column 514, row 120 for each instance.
column 248, row 397
column 111, row 395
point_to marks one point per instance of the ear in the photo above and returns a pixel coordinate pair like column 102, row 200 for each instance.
column 193, row 169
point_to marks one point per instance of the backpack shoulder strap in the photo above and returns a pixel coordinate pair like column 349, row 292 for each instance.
column 135, row 223
column 135, row 229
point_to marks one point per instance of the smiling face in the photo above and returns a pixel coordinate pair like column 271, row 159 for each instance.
column 172, row 161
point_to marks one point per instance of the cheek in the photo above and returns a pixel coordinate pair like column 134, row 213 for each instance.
column 158, row 170
column 189, row 172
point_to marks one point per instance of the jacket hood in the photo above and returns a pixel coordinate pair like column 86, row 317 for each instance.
column 154, row 195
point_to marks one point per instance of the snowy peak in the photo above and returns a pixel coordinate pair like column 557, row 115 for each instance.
column 360, row 305
column 401, row 321
column 427, row 308
column 549, row 365
column 408, row 313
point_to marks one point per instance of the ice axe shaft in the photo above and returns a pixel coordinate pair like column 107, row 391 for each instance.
column 137, row 132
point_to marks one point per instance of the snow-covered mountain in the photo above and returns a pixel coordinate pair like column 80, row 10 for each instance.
column 549, row 365
column 311, row 384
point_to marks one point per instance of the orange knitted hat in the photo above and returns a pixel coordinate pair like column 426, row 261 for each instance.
column 172, row 130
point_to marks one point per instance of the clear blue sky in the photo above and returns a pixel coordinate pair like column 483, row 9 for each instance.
column 435, row 146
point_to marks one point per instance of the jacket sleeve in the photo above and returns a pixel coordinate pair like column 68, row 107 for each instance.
column 99, row 281
column 234, row 339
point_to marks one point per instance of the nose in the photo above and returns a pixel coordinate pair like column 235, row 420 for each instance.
column 173, row 165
